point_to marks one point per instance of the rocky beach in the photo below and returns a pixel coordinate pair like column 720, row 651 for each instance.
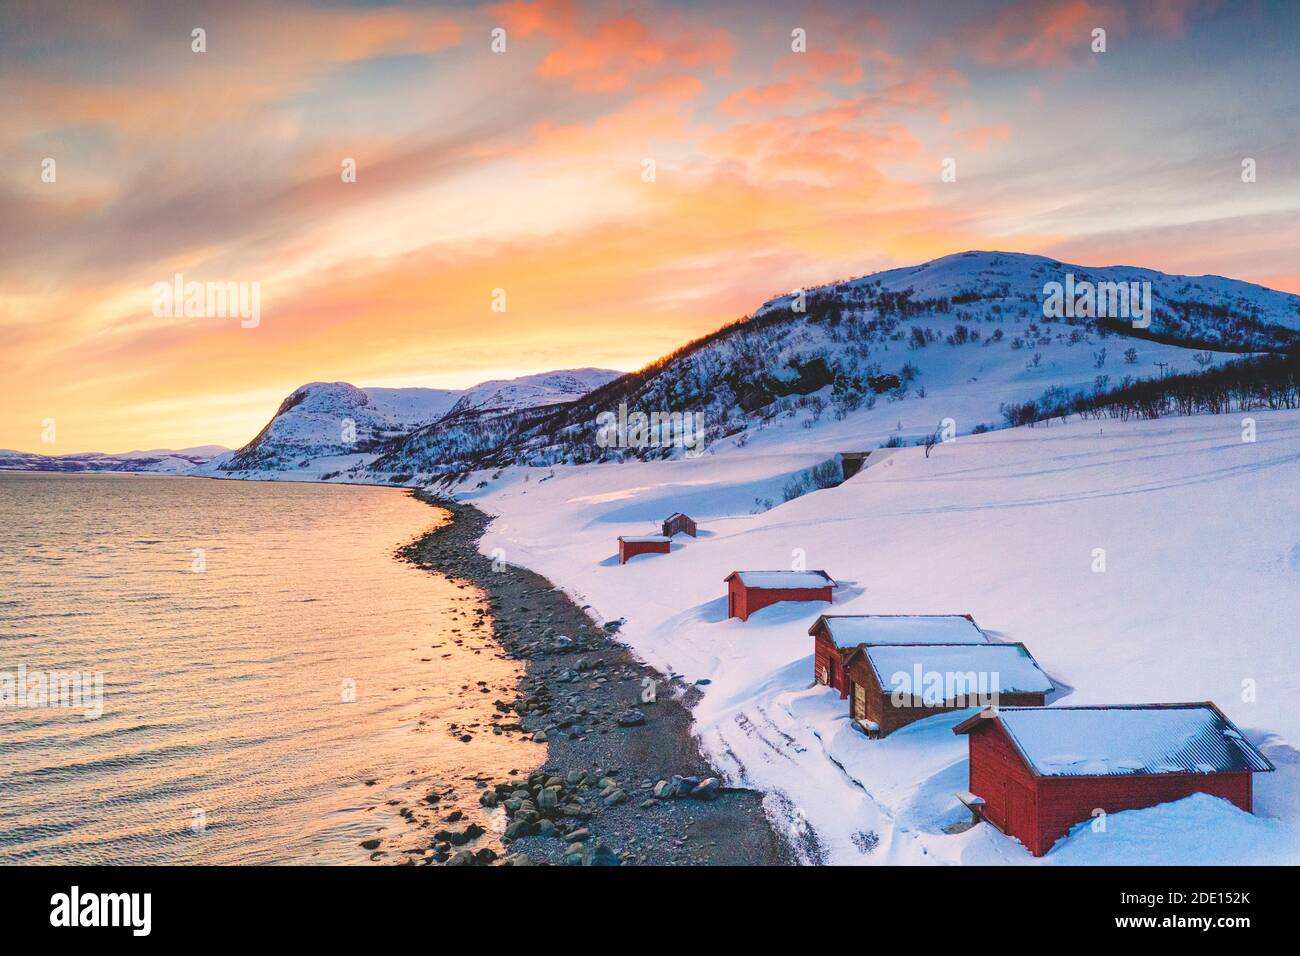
column 621, row 778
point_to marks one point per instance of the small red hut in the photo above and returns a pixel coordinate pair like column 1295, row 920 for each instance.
column 629, row 546
column 893, row 685
column 750, row 591
column 678, row 523
column 1035, row 772
column 835, row 636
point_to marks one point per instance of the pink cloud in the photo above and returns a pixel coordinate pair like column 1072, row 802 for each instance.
column 606, row 54
column 1031, row 33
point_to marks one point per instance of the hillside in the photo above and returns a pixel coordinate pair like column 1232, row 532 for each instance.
column 531, row 391
column 957, row 338
column 482, row 421
column 1202, row 311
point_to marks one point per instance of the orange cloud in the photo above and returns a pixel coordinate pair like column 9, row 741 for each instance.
column 757, row 98
column 841, row 63
column 803, row 80
column 606, row 54
column 540, row 16
column 680, row 86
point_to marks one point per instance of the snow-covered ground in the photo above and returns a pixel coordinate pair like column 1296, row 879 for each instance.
column 1199, row 599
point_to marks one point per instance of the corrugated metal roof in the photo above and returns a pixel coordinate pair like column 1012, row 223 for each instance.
column 1126, row 740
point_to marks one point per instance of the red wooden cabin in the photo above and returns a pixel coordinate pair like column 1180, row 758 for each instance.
column 1038, row 771
column 893, row 685
column 750, row 591
column 678, row 523
column 835, row 636
column 629, row 546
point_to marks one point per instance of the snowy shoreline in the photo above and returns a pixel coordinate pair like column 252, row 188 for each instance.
column 1196, row 522
column 572, row 698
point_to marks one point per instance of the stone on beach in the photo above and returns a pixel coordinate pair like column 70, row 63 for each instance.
column 631, row 718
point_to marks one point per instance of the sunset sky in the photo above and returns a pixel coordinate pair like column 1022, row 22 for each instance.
column 523, row 171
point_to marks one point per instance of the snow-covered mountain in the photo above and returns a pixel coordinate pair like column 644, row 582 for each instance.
column 336, row 430
column 481, row 422
column 958, row 338
column 1198, row 311
column 159, row 461
column 335, row 421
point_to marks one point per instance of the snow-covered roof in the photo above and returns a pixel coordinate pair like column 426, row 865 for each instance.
column 643, row 538
column 851, row 630
column 992, row 668
column 782, row 579
column 677, row 514
column 1126, row 739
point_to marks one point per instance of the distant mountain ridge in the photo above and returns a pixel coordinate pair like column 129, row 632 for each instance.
column 159, row 461
column 323, row 429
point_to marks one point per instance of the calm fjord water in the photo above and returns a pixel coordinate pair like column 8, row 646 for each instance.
column 225, row 735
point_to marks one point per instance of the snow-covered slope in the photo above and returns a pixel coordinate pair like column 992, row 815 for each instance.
column 531, row 391
column 481, row 423
column 1193, row 308
column 1195, row 530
